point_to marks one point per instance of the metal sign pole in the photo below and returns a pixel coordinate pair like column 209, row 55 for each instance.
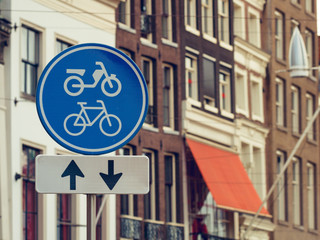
column 91, row 217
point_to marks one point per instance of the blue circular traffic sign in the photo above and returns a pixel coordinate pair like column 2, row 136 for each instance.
column 92, row 98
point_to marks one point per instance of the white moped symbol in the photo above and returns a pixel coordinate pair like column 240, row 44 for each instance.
column 75, row 123
column 74, row 84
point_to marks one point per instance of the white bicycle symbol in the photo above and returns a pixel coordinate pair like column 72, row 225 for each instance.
column 75, row 123
column 74, row 84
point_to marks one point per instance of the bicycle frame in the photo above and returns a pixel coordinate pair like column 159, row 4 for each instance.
column 83, row 112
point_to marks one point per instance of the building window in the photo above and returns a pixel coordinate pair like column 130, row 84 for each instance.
column 209, row 83
column 61, row 45
column 167, row 26
column 190, row 14
column 207, row 17
column 281, row 188
column 147, row 20
column 295, row 109
column 64, row 216
column 310, row 6
column 128, row 202
column 223, row 21
column 147, row 70
column 30, row 60
column 309, row 114
column 30, row 197
column 295, row 1
column 151, row 200
column 254, row 28
column 256, row 98
column 168, row 97
column 253, row 161
column 125, row 12
column 280, row 102
column 238, row 19
column 171, row 193
column 225, row 92
column 191, row 65
column 279, row 35
column 311, row 195
column 241, row 91
column 309, row 41
column 296, row 191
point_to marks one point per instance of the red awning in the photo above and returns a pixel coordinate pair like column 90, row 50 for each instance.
column 226, row 178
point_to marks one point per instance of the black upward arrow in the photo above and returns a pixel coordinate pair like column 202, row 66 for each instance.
column 72, row 170
column 111, row 179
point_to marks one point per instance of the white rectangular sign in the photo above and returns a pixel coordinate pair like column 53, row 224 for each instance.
column 92, row 174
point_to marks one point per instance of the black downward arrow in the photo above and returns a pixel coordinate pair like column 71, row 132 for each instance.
column 72, row 170
column 111, row 179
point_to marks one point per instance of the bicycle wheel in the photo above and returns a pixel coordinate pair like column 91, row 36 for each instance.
column 73, row 86
column 113, row 87
column 110, row 125
column 74, row 124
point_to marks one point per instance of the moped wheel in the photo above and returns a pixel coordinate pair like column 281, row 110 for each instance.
column 110, row 125
column 74, row 124
column 73, row 86
column 113, row 87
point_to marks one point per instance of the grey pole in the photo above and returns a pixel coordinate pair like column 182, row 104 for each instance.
column 91, row 217
column 280, row 175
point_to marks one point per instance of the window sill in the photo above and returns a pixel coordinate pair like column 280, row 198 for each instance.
column 125, row 27
column 313, row 231
column 227, row 114
column 147, row 43
column 171, row 131
column 192, row 30
column 312, row 141
column 283, row 223
column 27, row 96
column 242, row 112
column 312, row 78
column 150, row 128
column 281, row 61
column 282, row 128
column 298, row 227
column 257, row 118
column 194, row 102
column 211, row 108
column 210, row 38
column 311, row 14
column 226, row 46
column 297, row 5
column 169, row 43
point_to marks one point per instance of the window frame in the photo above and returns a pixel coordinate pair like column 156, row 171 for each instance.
column 210, row 102
column 170, row 90
column 208, row 20
column 29, row 180
column 171, row 188
column 311, row 196
column 310, row 47
column 227, row 84
column 279, row 35
column 150, row 80
column 297, row 191
column 310, row 103
column 224, row 23
column 280, row 102
column 25, row 61
column 151, row 199
column 190, row 19
column 124, row 18
column 282, row 201
column 309, row 6
column 241, row 91
column 167, row 20
column 295, row 109
column 192, row 69
column 256, row 114
column 239, row 27
column 254, row 32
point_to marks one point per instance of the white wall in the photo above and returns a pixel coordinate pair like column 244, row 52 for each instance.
column 23, row 125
